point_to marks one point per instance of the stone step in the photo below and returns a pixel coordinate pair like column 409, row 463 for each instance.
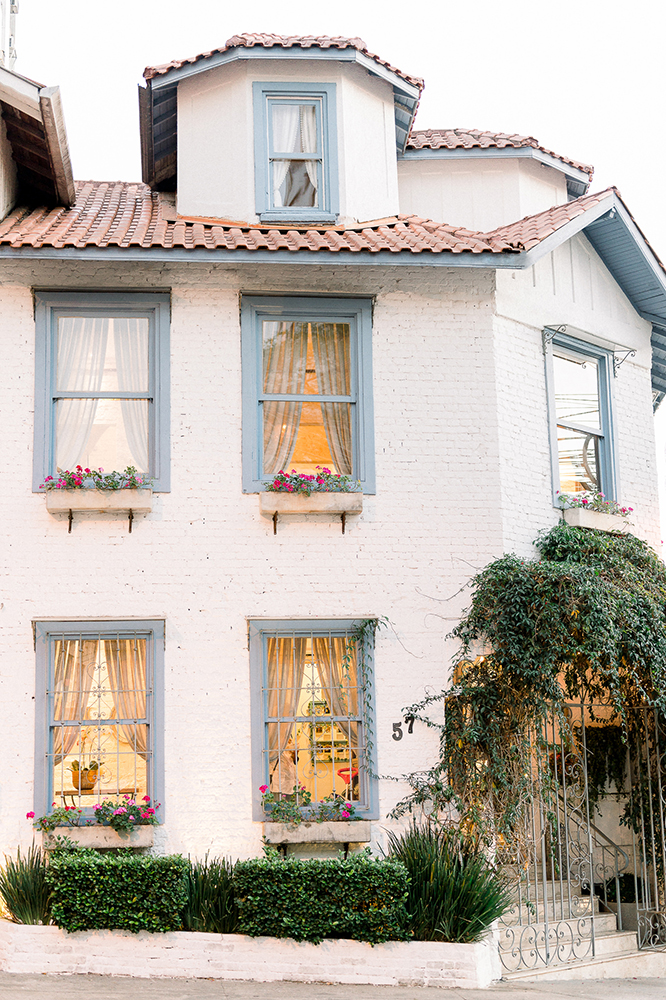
column 557, row 909
column 632, row 965
column 547, row 890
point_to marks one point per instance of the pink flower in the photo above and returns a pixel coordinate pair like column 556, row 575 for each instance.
column 119, row 811
column 146, row 798
column 30, row 815
column 150, row 812
column 263, row 789
column 97, row 806
column 345, row 814
column 145, row 815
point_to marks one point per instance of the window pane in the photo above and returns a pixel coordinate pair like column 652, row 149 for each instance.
column 307, row 358
column 106, row 433
column 294, row 128
column 295, row 184
column 99, row 689
column 313, row 705
column 577, row 391
column 102, row 355
column 302, row 436
column 578, row 460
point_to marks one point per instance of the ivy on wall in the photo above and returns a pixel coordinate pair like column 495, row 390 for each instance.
column 584, row 622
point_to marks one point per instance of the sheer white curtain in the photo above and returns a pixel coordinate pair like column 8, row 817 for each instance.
column 131, row 343
column 75, row 663
column 126, row 665
column 286, row 667
column 336, row 666
column 286, row 139
column 309, row 142
column 80, row 367
column 330, row 342
column 285, row 348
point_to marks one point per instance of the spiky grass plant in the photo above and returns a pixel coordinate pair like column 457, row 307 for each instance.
column 23, row 888
column 211, row 905
column 455, row 892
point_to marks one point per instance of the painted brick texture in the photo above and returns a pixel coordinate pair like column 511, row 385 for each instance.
column 459, row 420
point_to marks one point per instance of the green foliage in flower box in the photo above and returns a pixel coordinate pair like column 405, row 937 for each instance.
column 125, row 892
column 358, row 897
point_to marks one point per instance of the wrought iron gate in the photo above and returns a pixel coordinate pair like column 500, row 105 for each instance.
column 569, row 875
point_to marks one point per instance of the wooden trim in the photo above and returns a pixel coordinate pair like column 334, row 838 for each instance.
column 146, row 133
column 56, row 139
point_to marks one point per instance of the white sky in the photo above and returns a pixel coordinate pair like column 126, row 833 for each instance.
column 587, row 80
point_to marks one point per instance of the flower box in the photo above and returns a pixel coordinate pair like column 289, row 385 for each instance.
column 578, row 517
column 103, row 837
column 316, row 503
column 318, row 833
column 62, row 501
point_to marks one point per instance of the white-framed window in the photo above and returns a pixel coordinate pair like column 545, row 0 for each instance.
column 296, row 175
column 579, row 382
column 307, row 388
column 312, row 706
column 102, row 383
column 98, row 696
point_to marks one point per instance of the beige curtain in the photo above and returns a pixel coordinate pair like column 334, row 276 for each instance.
column 126, row 665
column 284, row 356
column 73, row 676
column 286, row 667
column 330, row 342
column 339, row 680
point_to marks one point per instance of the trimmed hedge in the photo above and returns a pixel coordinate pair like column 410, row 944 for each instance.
column 359, row 897
column 126, row 892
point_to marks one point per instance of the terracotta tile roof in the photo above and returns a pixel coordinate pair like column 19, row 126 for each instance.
column 249, row 41
column 471, row 138
column 117, row 214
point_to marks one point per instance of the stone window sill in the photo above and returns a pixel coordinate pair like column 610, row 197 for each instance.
column 103, row 837
column 357, row 832
column 317, row 503
column 577, row 517
column 99, row 501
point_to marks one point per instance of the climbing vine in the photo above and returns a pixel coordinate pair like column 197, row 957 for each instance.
column 583, row 622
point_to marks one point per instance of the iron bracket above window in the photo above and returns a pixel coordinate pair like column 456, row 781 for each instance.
column 550, row 332
column 619, row 360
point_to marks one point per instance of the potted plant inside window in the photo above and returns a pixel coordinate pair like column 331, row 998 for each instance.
column 93, row 490
column 84, row 776
column 325, row 492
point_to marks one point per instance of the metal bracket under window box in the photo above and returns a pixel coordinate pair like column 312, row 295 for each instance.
column 275, row 504
column 72, row 502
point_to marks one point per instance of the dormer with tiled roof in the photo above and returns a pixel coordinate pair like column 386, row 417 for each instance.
column 483, row 180
column 273, row 128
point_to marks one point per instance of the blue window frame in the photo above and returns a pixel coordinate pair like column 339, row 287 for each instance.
column 579, row 384
column 102, row 383
column 295, row 151
column 312, row 709
column 307, row 387
column 99, row 690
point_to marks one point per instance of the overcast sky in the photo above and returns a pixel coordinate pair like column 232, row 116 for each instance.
column 587, row 80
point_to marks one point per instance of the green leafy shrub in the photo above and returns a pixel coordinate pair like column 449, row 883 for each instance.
column 127, row 892
column 211, row 902
column 358, row 897
column 454, row 892
column 23, row 888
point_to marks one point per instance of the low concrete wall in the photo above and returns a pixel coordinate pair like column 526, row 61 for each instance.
column 25, row 949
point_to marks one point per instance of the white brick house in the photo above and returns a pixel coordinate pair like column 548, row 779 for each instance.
column 285, row 208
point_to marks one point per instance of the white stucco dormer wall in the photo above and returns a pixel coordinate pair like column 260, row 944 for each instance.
column 216, row 138
column 478, row 193
column 8, row 182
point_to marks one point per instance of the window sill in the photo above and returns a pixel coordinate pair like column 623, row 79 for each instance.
column 288, row 219
column 576, row 517
column 103, row 837
column 357, row 832
column 317, row 503
column 62, row 501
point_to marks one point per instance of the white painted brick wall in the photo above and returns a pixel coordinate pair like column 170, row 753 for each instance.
column 43, row 950
column 448, row 448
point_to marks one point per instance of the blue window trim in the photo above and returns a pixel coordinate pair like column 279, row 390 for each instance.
column 324, row 95
column 356, row 312
column 154, row 306
column 608, row 464
column 258, row 631
column 46, row 630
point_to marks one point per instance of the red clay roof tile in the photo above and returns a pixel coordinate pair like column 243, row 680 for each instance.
column 129, row 215
column 471, row 138
column 249, row 41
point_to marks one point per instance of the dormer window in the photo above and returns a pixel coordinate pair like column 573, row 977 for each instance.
column 295, row 152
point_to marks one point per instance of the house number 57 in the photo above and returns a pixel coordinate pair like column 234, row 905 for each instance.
column 397, row 728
